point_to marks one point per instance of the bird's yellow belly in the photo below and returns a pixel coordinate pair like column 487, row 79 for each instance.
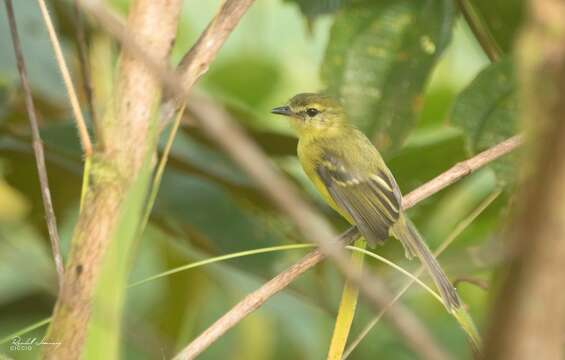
column 309, row 169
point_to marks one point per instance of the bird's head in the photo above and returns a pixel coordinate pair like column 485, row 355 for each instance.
column 312, row 112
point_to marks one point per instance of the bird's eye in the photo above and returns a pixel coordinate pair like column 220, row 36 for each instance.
column 312, row 112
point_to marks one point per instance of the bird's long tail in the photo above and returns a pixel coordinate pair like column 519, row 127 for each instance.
column 407, row 233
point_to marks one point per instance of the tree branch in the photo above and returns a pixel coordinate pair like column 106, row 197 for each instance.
column 460, row 170
column 195, row 62
column 37, row 146
column 257, row 298
column 528, row 319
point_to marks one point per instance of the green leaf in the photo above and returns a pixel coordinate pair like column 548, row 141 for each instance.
column 378, row 60
column 487, row 112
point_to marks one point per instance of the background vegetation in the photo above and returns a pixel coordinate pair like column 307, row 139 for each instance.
column 431, row 82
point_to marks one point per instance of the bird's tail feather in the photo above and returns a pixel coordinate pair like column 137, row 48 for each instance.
column 413, row 243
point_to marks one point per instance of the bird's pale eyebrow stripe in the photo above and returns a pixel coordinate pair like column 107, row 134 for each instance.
column 382, row 182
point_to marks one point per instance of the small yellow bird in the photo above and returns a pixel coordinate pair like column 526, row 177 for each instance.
column 352, row 177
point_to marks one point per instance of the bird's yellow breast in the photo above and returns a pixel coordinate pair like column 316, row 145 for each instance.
column 310, row 152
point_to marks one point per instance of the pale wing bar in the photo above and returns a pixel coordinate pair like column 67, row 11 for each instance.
column 373, row 201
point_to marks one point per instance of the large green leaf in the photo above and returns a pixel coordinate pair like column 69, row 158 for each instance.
column 487, row 112
column 378, row 59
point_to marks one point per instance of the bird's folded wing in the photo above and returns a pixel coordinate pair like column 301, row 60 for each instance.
column 372, row 199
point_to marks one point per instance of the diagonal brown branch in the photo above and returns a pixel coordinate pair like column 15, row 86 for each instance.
column 460, row 170
column 37, row 146
column 195, row 63
column 257, row 298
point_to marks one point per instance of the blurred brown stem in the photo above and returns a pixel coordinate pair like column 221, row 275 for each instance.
column 528, row 319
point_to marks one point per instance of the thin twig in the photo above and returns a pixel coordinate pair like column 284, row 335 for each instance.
column 483, row 36
column 261, row 295
column 82, row 50
column 79, row 119
column 37, row 146
column 156, row 183
column 196, row 61
column 460, row 170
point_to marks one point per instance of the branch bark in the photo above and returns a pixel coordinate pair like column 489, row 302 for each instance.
column 529, row 316
column 257, row 298
column 125, row 129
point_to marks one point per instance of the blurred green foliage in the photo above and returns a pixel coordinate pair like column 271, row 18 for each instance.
column 502, row 19
column 487, row 112
column 378, row 59
column 411, row 75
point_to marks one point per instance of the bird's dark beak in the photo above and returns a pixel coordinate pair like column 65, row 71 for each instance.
column 282, row 110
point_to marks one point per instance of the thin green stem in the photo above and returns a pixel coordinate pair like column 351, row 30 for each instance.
column 161, row 170
column 221, row 258
column 347, row 307
column 413, row 278
column 85, row 179
column 25, row 330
